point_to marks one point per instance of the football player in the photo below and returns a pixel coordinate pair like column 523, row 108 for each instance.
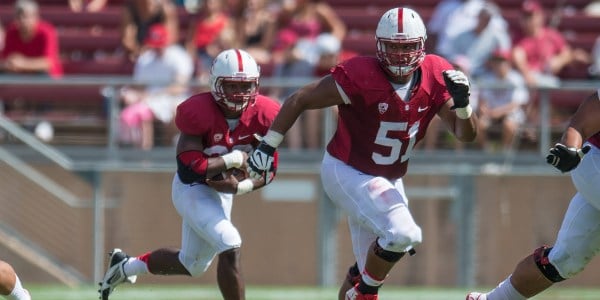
column 578, row 239
column 385, row 104
column 10, row 284
column 217, row 130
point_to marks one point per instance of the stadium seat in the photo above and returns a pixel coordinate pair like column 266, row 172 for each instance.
column 107, row 66
column 580, row 23
column 360, row 43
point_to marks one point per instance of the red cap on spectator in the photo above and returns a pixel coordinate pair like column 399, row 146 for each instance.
column 158, row 36
column 501, row 54
column 532, row 6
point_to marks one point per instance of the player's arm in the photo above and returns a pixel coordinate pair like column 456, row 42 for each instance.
column 584, row 123
column 319, row 94
column 457, row 112
column 195, row 166
column 567, row 154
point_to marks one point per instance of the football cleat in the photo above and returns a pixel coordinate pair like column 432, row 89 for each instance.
column 354, row 294
column 115, row 274
column 476, row 296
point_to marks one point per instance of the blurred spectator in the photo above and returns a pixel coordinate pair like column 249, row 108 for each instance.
column 592, row 9
column 87, row 5
column 475, row 46
column 322, row 55
column 211, row 32
column 502, row 105
column 2, row 36
column 296, row 54
column 436, row 27
column 465, row 18
column 594, row 69
column 329, row 51
column 31, row 44
column 139, row 16
column 306, row 19
column 164, row 71
column 256, row 30
column 541, row 52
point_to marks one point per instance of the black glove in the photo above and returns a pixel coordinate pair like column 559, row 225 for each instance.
column 457, row 84
column 566, row 159
column 261, row 162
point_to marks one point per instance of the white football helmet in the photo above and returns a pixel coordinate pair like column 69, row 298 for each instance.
column 234, row 65
column 402, row 29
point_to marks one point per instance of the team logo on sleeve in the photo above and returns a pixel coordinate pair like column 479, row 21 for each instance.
column 383, row 107
column 217, row 137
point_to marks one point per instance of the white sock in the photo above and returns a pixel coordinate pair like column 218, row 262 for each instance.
column 369, row 280
column 18, row 292
column 134, row 266
column 505, row 291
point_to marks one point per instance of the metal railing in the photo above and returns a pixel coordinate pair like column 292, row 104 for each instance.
column 461, row 187
column 110, row 85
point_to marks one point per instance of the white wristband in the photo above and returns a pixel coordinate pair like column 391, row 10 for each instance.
column 273, row 138
column 464, row 112
column 244, row 186
column 233, row 159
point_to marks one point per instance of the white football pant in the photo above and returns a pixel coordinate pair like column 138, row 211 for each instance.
column 375, row 207
column 206, row 228
column 578, row 240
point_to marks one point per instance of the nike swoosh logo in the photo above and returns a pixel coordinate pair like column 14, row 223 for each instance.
column 241, row 137
column 420, row 109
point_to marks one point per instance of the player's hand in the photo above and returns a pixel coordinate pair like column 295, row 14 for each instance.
column 260, row 162
column 227, row 185
column 566, row 159
column 458, row 86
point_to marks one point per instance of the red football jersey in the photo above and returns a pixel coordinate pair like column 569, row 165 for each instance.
column 200, row 115
column 595, row 139
column 377, row 130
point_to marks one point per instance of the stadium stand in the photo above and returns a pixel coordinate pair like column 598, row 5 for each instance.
column 90, row 45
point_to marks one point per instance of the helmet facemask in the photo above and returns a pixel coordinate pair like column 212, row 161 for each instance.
column 234, row 94
column 400, row 57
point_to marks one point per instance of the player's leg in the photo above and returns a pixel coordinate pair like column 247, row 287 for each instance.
column 115, row 273
column 229, row 275
column 577, row 242
column 10, row 284
column 382, row 228
column 509, row 130
column 397, row 228
column 207, row 216
column 352, row 278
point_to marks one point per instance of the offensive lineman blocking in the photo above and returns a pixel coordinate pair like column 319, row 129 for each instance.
column 385, row 105
column 218, row 129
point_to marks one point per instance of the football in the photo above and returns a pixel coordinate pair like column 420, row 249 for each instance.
column 238, row 173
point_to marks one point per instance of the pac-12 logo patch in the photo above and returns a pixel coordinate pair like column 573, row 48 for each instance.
column 383, row 107
column 218, row 137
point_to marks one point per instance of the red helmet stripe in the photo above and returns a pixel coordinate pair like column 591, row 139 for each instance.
column 400, row 16
column 239, row 59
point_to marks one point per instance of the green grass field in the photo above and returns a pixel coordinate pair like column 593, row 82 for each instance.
column 188, row 292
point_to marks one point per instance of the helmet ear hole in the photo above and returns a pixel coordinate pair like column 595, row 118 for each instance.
column 237, row 68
